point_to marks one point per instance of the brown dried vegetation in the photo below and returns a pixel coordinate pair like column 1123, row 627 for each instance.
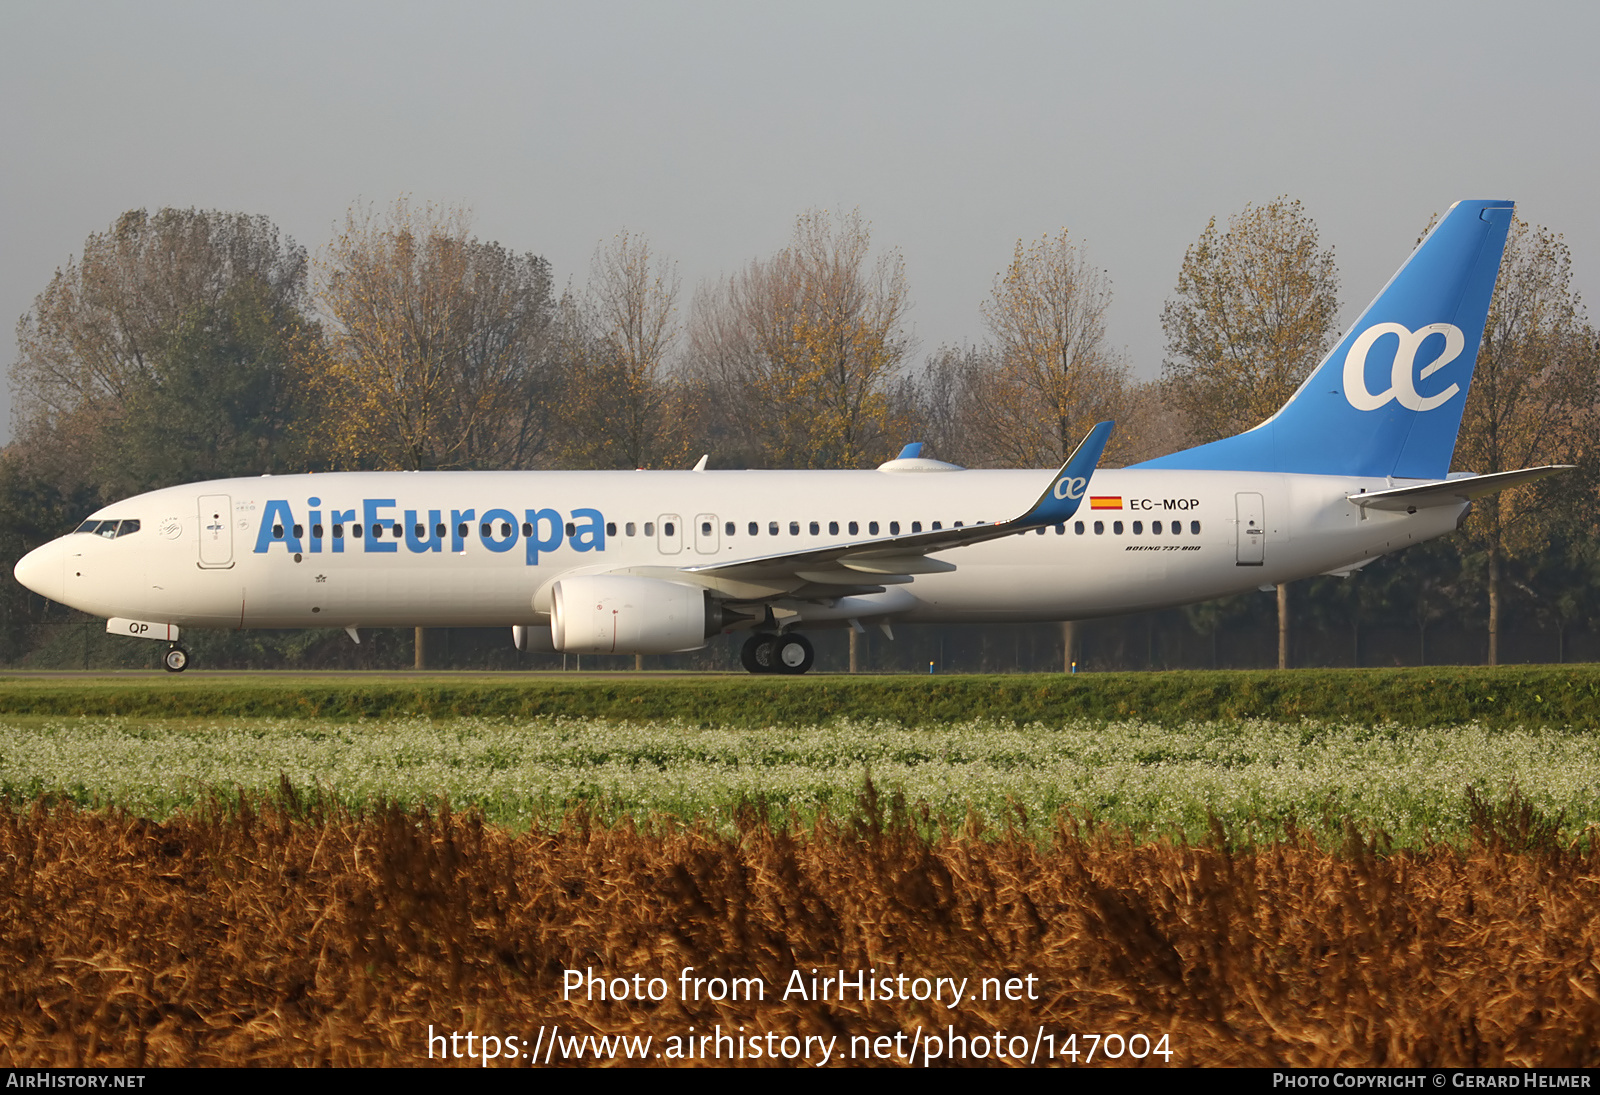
column 294, row 932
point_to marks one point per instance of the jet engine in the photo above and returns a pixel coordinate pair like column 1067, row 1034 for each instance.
column 621, row 614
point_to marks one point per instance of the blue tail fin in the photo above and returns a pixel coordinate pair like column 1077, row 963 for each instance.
column 1388, row 400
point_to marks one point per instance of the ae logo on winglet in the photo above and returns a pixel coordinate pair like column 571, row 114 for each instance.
column 1071, row 486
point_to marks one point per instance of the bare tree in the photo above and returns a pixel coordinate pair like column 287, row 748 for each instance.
column 618, row 402
column 802, row 350
column 1051, row 374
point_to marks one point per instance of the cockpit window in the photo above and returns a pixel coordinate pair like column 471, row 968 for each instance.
column 109, row 529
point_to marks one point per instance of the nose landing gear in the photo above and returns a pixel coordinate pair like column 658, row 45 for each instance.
column 176, row 659
column 791, row 654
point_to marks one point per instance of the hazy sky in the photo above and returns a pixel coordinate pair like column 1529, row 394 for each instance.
column 954, row 128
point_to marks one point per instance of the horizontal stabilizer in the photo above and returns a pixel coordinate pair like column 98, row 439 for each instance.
column 1452, row 492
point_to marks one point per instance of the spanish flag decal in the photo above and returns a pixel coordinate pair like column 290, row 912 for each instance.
column 1105, row 501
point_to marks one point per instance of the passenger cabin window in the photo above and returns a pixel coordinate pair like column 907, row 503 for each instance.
column 1077, row 527
column 1099, row 528
column 794, row 528
column 1116, row 527
column 649, row 528
column 872, row 528
column 833, row 528
column 855, row 528
column 1138, row 528
column 1194, row 527
column 755, row 529
column 772, row 528
column 816, row 529
column 629, row 528
column 894, row 528
column 728, row 528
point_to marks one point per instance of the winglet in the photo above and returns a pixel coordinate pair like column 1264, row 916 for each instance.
column 1069, row 485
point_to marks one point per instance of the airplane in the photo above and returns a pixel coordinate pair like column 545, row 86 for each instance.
column 1354, row 465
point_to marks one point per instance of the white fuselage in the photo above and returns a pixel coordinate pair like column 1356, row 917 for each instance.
column 262, row 552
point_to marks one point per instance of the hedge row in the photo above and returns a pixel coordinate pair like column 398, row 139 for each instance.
column 1506, row 696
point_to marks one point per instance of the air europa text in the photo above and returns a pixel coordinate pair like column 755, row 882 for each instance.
column 382, row 527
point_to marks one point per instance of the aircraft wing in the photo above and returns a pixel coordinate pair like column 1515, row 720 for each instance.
column 895, row 559
column 1452, row 492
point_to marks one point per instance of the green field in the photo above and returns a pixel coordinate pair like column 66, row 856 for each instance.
column 1256, row 777
column 1160, row 754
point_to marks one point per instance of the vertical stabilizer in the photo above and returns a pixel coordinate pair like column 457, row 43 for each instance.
column 1388, row 400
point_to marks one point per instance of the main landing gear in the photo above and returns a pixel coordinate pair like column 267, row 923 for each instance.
column 777, row 654
column 176, row 659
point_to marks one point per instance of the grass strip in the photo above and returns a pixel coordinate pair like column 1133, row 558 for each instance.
column 1559, row 696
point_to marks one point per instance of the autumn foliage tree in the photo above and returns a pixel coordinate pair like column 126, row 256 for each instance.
column 437, row 344
column 1532, row 402
column 1050, row 375
column 1255, row 311
column 802, row 349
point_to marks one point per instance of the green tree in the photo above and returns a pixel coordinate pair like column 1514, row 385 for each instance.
column 225, row 396
column 112, row 368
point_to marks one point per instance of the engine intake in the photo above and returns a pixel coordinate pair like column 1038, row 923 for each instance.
column 621, row 614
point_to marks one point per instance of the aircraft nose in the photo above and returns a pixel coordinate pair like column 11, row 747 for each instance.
column 43, row 570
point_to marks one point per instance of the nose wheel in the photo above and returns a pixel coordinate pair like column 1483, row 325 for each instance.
column 791, row 654
column 176, row 659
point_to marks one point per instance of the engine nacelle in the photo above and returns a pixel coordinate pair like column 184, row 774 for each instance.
column 621, row 614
